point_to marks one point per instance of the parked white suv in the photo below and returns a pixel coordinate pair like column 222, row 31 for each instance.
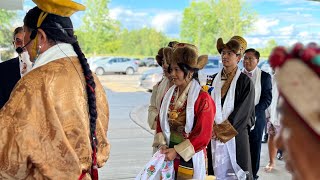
column 114, row 64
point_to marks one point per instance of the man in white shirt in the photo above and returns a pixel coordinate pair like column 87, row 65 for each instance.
column 13, row 69
column 263, row 97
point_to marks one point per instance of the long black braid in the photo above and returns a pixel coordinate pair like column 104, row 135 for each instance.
column 91, row 85
column 60, row 29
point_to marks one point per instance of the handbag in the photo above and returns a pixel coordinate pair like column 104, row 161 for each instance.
column 224, row 131
column 157, row 168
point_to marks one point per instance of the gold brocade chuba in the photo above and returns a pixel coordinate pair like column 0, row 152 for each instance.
column 45, row 125
column 177, row 127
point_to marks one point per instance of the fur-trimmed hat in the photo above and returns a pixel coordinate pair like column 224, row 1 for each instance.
column 172, row 43
column 167, row 53
column 237, row 44
column 187, row 54
column 160, row 57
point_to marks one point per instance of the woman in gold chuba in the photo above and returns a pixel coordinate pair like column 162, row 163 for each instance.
column 55, row 123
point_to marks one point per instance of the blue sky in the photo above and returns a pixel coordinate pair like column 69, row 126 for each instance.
column 286, row 21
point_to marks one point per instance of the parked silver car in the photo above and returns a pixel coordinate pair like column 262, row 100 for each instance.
column 91, row 60
column 148, row 62
column 150, row 77
column 114, row 64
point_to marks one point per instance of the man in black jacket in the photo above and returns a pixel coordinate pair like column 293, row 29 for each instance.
column 263, row 97
column 10, row 69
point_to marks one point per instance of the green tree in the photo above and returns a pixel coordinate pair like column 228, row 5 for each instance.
column 265, row 52
column 98, row 34
column 6, row 29
column 205, row 21
column 141, row 42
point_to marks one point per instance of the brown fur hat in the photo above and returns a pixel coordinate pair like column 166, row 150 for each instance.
column 188, row 54
column 167, row 53
column 237, row 44
column 159, row 57
column 172, row 43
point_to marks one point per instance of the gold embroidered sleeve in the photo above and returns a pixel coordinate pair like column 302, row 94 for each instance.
column 159, row 140
column 185, row 149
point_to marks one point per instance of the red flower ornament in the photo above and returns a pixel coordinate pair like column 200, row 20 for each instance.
column 308, row 54
column 278, row 56
column 296, row 50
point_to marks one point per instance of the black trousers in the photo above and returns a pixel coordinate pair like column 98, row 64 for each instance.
column 255, row 137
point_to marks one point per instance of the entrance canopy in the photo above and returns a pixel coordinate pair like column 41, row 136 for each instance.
column 11, row 4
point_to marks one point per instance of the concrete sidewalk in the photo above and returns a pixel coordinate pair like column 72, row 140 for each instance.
column 139, row 115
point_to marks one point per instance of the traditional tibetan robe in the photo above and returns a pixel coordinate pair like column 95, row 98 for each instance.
column 158, row 92
column 191, row 131
column 45, row 124
column 241, row 115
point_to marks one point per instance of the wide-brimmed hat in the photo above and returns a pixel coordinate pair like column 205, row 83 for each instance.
column 187, row 54
column 63, row 8
column 237, row 44
column 298, row 81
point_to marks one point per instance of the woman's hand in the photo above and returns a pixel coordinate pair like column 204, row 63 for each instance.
column 162, row 149
column 170, row 153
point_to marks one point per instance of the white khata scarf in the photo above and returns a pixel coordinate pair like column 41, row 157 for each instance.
column 55, row 52
column 224, row 154
column 198, row 159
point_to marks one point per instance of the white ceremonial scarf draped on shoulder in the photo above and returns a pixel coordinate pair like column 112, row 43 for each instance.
column 158, row 92
column 274, row 114
column 162, row 89
column 224, row 154
column 257, row 86
column 198, row 159
column 257, row 83
column 55, row 52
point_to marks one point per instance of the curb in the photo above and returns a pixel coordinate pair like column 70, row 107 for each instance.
column 136, row 115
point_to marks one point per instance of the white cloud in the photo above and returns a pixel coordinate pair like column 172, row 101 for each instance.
column 264, row 25
column 291, row 42
column 287, row 2
column 164, row 21
column 310, row 26
column 286, row 31
column 303, row 34
column 130, row 19
column 114, row 13
column 117, row 13
column 255, row 42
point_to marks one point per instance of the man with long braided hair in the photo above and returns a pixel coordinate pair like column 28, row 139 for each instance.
column 55, row 124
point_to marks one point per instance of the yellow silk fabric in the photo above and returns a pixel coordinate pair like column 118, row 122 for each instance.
column 44, row 127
